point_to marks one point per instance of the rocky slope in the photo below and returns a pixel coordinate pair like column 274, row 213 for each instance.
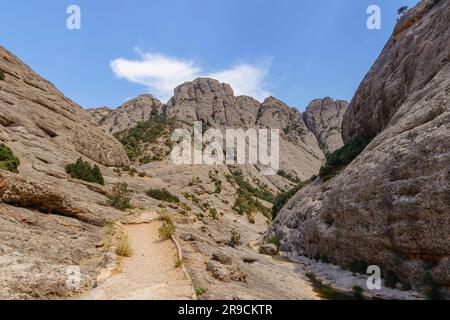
column 391, row 206
column 324, row 118
column 48, row 221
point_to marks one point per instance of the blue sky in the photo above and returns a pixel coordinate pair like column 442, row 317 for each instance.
column 296, row 50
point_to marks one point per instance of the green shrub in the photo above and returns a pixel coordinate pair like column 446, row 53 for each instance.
column 430, row 4
column 338, row 160
column 200, row 292
column 235, row 240
column 391, row 279
column 288, row 176
column 358, row 266
column 82, row 170
column 2, row 76
column 120, row 198
column 274, row 240
column 247, row 187
column 245, row 203
column 162, row 195
column 282, row 198
column 8, row 161
column 213, row 213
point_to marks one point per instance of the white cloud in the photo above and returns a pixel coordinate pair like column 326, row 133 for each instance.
column 161, row 74
column 246, row 79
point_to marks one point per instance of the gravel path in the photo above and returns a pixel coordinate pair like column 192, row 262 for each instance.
column 150, row 273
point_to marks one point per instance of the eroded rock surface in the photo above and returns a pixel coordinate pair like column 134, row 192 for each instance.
column 324, row 118
column 391, row 206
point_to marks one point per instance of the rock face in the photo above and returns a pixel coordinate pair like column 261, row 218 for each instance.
column 391, row 206
column 34, row 114
column 416, row 52
column 49, row 222
column 128, row 115
column 215, row 104
column 324, row 118
column 204, row 100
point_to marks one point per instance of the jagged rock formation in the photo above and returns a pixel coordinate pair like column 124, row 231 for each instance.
column 324, row 118
column 391, row 206
column 214, row 103
column 128, row 115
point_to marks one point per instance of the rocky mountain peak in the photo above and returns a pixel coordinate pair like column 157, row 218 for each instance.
column 127, row 115
column 205, row 100
column 324, row 118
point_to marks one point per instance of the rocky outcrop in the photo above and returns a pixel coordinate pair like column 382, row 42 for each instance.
column 205, row 100
column 98, row 114
column 49, row 222
column 324, row 118
column 42, row 121
column 215, row 104
column 391, row 206
column 128, row 115
column 416, row 52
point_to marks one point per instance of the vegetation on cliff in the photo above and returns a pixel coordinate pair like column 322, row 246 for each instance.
column 8, row 161
column 145, row 132
column 338, row 160
column 162, row 195
column 283, row 197
column 82, row 170
column 120, row 198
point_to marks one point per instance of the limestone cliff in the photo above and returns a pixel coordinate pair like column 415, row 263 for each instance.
column 324, row 118
column 391, row 206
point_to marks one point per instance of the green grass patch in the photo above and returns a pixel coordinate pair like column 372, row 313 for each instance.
column 8, row 161
column 82, row 170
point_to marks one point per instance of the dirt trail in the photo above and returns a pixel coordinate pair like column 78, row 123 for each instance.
column 150, row 273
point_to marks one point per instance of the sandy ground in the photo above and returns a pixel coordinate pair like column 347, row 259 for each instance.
column 150, row 273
